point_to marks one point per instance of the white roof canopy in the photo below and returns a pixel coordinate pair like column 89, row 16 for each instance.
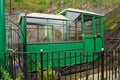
column 46, row 16
column 41, row 18
column 80, row 11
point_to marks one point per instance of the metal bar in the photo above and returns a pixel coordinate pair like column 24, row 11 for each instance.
column 109, row 64
column 93, row 65
column 11, row 64
column 102, row 65
column 98, row 64
column 80, row 66
column 65, row 65
column 70, row 64
column 14, row 65
column 31, row 65
column 75, row 66
column 47, row 62
column 59, row 64
column 87, row 74
column 41, row 60
column 67, row 28
column 52, row 33
column 36, row 63
column 38, row 33
column 2, row 32
column 52, row 65
column 25, row 63
column 106, row 57
column 112, row 63
column 119, row 65
column 115, row 64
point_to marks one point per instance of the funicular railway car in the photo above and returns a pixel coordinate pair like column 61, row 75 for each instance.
column 70, row 29
column 92, row 28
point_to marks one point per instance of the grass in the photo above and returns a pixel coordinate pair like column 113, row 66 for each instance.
column 44, row 5
column 113, row 26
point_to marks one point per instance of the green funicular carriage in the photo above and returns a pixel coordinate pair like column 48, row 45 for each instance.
column 70, row 29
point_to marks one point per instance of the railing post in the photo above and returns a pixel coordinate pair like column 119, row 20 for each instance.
column 118, row 65
column 25, row 61
column 102, row 65
column 41, row 61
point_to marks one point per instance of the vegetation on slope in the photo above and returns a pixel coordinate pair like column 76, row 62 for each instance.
column 112, row 18
column 44, row 5
column 58, row 5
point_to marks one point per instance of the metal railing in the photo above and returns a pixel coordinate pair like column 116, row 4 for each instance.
column 64, row 65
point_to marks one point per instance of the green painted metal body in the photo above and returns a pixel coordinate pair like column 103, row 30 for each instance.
column 23, row 30
column 89, row 44
column 49, row 47
column 35, row 47
column 2, row 31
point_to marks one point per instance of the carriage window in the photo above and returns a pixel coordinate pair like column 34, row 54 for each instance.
column 75, row 30
column 35, row 33
column 88, row 25
column 52, row 31
column 98, row 26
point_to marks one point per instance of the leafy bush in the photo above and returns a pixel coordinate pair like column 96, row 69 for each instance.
column 6, row 75
column 49, row 74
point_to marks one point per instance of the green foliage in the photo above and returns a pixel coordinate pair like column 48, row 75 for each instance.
column 44, row 5
column 19, row 76
column 48, row 74
column 38, row 68
column 112, row 18
column 6, row 75
column 18, row 0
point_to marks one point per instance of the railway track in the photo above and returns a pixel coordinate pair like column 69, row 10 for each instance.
column 116, row 45
column 112, row 38
column 110, row 33
column 107, row 32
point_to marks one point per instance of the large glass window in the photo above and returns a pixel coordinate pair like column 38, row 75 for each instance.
column 88, row 25
column 49, row 31
column 98, row 26
column 75, row 30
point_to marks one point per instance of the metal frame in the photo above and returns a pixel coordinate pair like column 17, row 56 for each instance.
column 105, row 67
column 2, row 31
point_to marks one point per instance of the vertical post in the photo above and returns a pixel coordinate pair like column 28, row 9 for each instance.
column 23, row 32
column 25, row 48
column 25, row 62
column 102, row 65
column 2, row 31
column 41, row 61
column 83, row 25
column 67, row 27
column 119, row 64
column 47, row 31
column 23, row 40
column 102, row 25
column 94, row 26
